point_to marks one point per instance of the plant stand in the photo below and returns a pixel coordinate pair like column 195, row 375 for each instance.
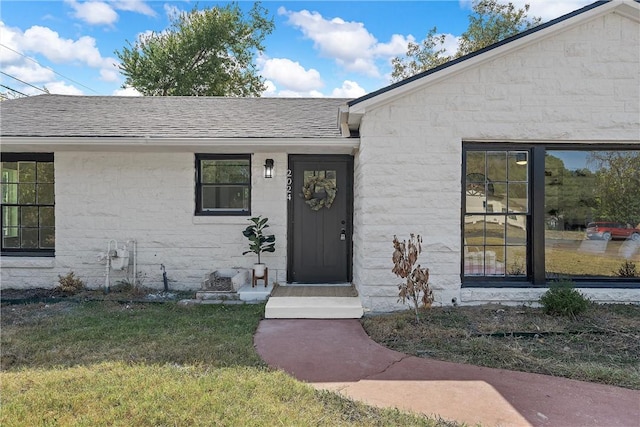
column 255, row 279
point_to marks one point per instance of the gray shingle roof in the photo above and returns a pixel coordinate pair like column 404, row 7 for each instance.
column 171, row 117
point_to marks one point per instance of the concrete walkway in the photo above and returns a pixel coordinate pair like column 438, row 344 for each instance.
column 338, row 355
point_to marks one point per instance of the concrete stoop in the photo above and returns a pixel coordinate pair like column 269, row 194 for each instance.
column 313, row 308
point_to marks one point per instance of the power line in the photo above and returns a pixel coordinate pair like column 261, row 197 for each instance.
column 22, row 81
column 49, row 68
column 13, row 90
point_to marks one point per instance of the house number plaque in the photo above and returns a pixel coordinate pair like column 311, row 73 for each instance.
column 289, row 182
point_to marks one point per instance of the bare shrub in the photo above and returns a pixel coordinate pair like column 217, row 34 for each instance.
column 415, row 291
column 70, row 284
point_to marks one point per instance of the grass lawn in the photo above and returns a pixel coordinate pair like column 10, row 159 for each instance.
column 602, row 346
column 133, row 364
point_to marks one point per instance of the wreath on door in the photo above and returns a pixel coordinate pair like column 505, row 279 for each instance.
column 319, row 192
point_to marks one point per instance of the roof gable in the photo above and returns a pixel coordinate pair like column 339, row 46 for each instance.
column 353, row 112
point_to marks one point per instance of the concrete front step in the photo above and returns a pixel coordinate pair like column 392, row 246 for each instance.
column 313, row 308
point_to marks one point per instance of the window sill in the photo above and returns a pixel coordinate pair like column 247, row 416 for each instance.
column 27, row 262
column 221, row 220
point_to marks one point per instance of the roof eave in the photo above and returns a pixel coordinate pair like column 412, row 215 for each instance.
column 337, row 145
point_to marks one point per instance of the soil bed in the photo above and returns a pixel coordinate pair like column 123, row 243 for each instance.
column 603, row 345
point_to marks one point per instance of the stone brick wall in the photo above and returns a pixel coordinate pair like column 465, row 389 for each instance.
column 149, row 198
column 581, row 85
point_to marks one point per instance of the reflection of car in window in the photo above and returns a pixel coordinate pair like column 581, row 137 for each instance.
column 612, row 230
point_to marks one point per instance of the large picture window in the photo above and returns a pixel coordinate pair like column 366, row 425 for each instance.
column 28, row 204
column 534, row 214
column 223, row 184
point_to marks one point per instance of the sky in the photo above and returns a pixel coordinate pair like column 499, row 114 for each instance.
column 317, row 48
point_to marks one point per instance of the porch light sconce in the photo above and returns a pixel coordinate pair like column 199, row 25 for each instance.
column 268, row 168
column 521, row 158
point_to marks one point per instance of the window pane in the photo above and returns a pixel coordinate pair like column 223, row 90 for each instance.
column 9, row 172
column 592, row 212
column 10, row 237
column 516, row 262
column 518, row 198
column 517, row 164
column 497, row 165
column 516, row 230
column 45, row 172
column 494, row 261
column 47, row 218
column 474, row 230
column 45, row 194
column 29, row 238
column 29, row 216
column 476, row 163
column 27, row 171
column 26, row 194
column 47, row 238
column 225, row 171
column 10, row 193
column 225, row 198
column 10, row 216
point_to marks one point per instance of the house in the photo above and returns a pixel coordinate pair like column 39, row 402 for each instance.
column 499, row 159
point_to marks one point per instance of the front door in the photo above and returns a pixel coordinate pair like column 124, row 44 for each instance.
column 320, row 219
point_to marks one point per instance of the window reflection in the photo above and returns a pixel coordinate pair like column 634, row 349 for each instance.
column 592, row 212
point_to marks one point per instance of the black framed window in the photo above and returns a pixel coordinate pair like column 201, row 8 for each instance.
column 542, row 212
column 28, row 204
column 223, row 184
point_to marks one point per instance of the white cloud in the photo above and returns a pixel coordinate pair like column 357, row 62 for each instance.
column 47, row 42
column 351, row 45
column 30, row 72
column 291, row 75
column 94, row 12
column 109, row 75
column 349, row 89
column 127, row 91
column 38, row 42
column 134, row 6
column 171, row 11
column 546, row 9
column 451, row 43
column 549, row 10
column 61, row 88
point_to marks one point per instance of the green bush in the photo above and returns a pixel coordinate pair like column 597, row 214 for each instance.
column 70, row 284
column 562, row 299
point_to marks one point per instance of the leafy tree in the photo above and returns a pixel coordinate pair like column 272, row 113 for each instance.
column 206, row 52
column 489, row 23
column 617, row 185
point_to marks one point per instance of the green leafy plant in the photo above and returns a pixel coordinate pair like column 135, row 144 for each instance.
column 70, row 284
column 564, row 300
column 415, row 291
column 627, row 269
column 258, row 241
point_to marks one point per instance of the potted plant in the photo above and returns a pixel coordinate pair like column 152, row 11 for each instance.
column 259, row 242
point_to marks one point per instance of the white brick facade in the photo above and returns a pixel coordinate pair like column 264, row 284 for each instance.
column 579, row 85
column 149, row 198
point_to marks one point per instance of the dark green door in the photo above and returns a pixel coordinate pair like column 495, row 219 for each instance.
column 320, row 219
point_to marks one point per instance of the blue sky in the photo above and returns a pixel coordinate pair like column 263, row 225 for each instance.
column 317, row 49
